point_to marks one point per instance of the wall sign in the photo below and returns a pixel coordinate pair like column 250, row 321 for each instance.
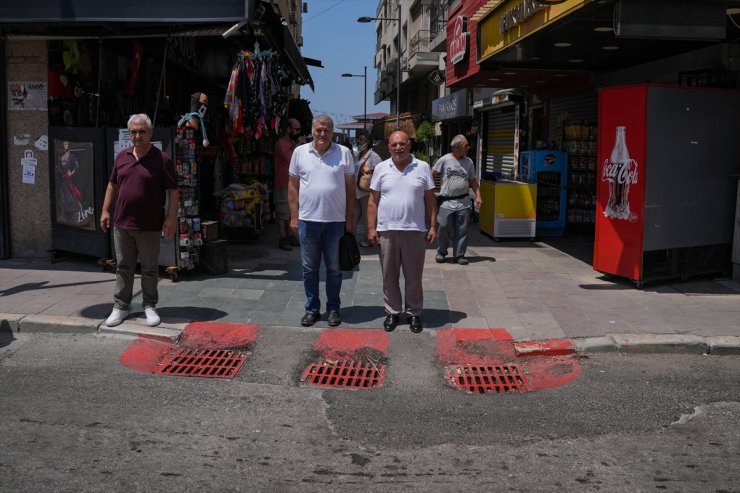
column 458, row 45
column 519, row 14
column 453, row 105
column 27, row 95
column 437, row 77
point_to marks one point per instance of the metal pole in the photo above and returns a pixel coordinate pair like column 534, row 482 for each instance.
column 398, row 74
column 364, row 122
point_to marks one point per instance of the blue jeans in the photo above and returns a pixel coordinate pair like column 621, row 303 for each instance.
column 317, row 240
column 458, row 221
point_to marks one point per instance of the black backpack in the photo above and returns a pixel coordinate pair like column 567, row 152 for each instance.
column 349, row 252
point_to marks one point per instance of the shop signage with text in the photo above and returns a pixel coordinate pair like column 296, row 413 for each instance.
column 514, row 20
column 459, row 42
column 519, row 14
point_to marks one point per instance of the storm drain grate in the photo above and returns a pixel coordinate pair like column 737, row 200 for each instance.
column 344, row 373
column 207, row 363
column 482, row 379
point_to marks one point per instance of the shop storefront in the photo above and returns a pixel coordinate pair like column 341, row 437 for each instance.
column 454, row 113
column 75, row 75
column 560, row 56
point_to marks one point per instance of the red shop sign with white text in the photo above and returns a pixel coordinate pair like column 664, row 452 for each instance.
column 458, row 45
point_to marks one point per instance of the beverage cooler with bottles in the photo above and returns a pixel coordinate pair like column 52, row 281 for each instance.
column 667, row 160
column 549, row 170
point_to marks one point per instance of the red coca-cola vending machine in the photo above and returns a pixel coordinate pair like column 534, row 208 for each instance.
column 668, row 159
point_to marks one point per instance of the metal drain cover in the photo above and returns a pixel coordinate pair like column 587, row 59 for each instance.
column 482, row 379
column 344, row 374
column 206, row 363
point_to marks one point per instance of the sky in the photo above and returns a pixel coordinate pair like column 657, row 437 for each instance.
column 332, row 34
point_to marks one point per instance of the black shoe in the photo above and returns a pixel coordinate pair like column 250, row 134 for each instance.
column 293, row 241
column 334, row 318
column 310, row 318
column 390, row 322
column 439, row 258
column 461, row 261
column 284, row 244
column 415, row 323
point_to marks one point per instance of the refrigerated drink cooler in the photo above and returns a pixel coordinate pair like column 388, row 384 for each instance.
column 508, row 209
column 668, row 157
column 549, row 170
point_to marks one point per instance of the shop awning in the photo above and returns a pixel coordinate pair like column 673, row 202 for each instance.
column 143, row 11
column 86, row 19
column 525, row 43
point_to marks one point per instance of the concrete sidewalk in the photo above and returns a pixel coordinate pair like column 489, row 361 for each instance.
column 535, row 290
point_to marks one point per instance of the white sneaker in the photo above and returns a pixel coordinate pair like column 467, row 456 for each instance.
column 152, row 318
column 116, row 317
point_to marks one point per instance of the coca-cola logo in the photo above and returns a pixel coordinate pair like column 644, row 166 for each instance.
column 621, row 173
column 458, row 45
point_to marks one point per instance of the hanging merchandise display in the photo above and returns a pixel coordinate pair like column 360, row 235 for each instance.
column 189, row 236
column 254, row 101
column 255, row 105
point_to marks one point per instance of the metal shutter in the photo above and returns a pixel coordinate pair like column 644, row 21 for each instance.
column 500, row 142
column 580, row 107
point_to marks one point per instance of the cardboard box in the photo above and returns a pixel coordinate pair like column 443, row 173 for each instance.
column 214, row 257
column 209, row 230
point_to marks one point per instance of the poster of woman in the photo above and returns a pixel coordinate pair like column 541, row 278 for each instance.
column 74, row 183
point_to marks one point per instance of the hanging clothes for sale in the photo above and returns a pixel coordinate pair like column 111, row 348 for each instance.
column 252, row 99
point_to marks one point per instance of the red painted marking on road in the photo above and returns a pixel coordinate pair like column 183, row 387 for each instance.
column 339, row 343
column 218, row 335
column 546, row 364
column 474, row 346
column 550, row 347
column 145, row 353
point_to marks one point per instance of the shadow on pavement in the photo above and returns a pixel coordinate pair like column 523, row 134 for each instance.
column 167, row 313
column 6, row 334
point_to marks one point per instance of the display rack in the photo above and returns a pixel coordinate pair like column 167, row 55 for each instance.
column 580, row 144
column 188, row 238
column 246, row 203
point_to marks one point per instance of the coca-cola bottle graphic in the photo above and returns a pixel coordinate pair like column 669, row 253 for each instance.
column 619, row 171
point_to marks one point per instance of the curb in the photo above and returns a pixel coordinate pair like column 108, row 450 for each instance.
column 610, row 343
column 56, row 324
column 52, row 324
column 659, row 343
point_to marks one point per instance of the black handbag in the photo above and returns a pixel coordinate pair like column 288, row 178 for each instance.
column 349, row 252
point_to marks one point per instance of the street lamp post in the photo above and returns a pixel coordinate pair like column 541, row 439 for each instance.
column 398, row 61
column 364, row 121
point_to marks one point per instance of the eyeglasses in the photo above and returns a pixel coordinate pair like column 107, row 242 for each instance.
column 134, row 132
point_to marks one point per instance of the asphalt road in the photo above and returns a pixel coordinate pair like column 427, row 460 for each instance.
column 73, row 419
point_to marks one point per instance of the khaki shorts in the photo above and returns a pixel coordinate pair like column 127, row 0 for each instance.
column 282, row 207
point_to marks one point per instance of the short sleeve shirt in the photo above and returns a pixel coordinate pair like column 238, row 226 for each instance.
column 455, row 175
column 322, row 193
column 142, row 186
column 401, row 205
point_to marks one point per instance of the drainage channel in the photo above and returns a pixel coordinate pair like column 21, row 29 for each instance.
column 206, row 363
column 352, row 374
column 498, row 379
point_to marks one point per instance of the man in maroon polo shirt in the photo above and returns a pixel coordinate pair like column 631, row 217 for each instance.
column 142, row 176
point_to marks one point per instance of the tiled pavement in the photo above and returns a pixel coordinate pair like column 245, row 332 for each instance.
column 536, row 290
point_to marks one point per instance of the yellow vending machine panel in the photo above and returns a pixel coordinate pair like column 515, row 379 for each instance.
column 509, row 209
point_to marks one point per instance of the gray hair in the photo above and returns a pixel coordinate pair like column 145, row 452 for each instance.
column 140, row 116
column 323, row 120
column 457, row 141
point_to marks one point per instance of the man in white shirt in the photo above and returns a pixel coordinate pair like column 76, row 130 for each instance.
column 457, row 172
column 321, row 193
column 401, row 202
